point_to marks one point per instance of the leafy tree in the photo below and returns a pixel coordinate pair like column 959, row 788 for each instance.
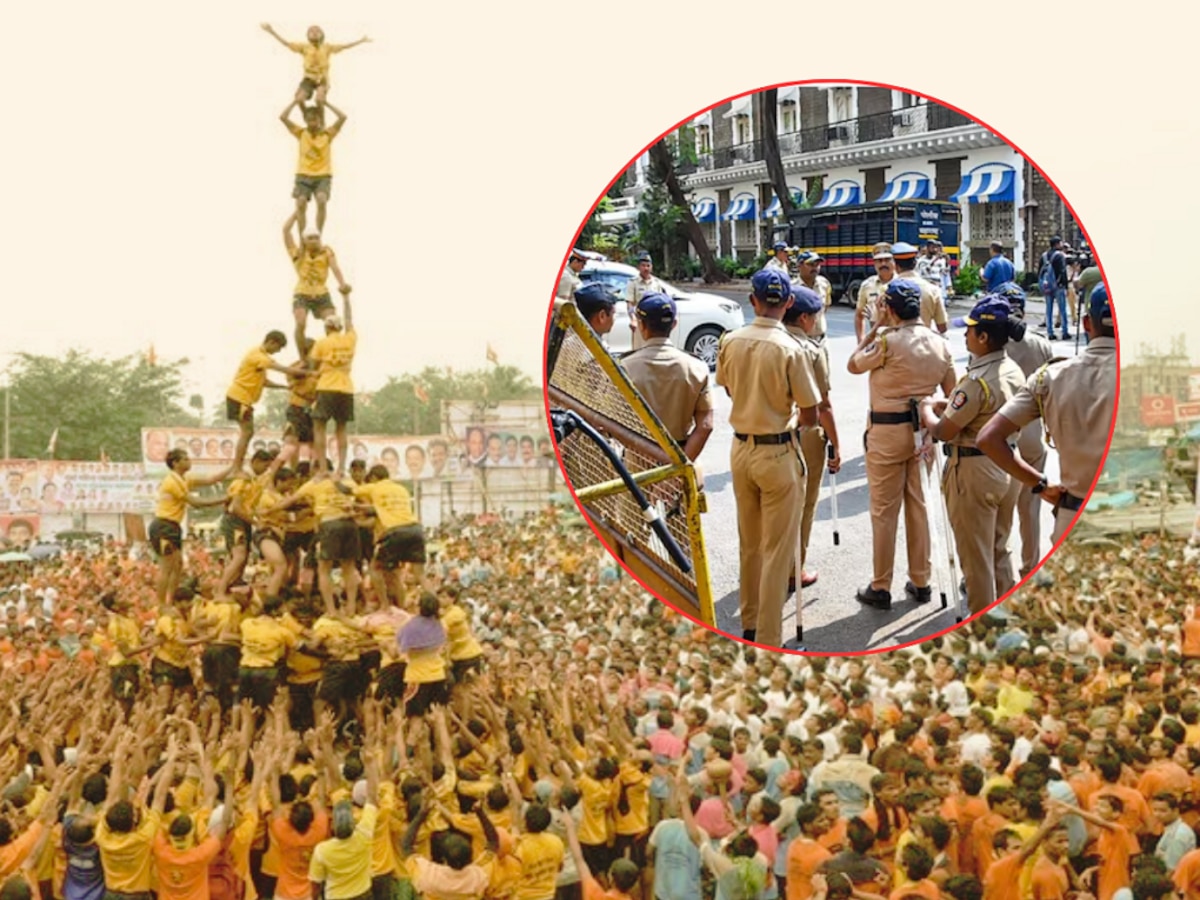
column 94, row 403
column 662, row 172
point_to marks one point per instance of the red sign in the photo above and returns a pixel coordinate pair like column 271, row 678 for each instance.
column 1187, row 412
column 1158, row 411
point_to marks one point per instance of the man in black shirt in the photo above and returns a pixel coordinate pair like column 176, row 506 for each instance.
column 1057, row 261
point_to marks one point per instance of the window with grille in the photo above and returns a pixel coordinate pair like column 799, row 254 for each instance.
column 993, row 221
column 703, row 139
column 788, row 121
column 743, row 133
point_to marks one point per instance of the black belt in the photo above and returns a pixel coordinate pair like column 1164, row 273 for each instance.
column 760, row 439
column 1070, row 502
column 961, row 451
column 891, row 418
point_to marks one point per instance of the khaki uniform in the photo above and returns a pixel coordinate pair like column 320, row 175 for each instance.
column 568, row 284
column 766, row 374
column 634, row 291
column 905, row 363
column 774, row 265
column 933, row 308
column 812, row 440
column 1030, row 353
column 673, row 383
column 825, row 289
column 1075, row 400
column 870, row 291
column 980, row 496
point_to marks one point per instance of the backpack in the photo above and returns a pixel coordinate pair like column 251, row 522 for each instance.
column 1047, row 280
column 223, row 880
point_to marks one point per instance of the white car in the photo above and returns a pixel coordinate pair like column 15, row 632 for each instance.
column 703, row 318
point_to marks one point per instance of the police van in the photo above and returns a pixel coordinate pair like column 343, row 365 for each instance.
column 844, row 236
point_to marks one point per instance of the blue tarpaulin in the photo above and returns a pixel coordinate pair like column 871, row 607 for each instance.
column 1114, row 501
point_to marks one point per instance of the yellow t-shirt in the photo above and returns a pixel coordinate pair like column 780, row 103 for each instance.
column 249, row 491
column 122, row 630
column 598, row 796
column 345, row 865
column 302, row 390
column 316, row 58
column 126, row 857
column 315, row 157
column 425, row 665
column 172, row 498
column 637, row 792
column 302, row 667
column 541, row 857
column 383, row 849
column 265, row 641
column 224, row 616
column 267, row 499
column 334, row 353
column 312, row 272
column 170, row 651
column 251, row 377
column 458, row 634
column 393, row 505
column 339, row 639
column 328, row 502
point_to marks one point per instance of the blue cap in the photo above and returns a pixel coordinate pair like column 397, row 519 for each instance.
column 989, row 309
column 770, row 287
column 806, row 300
column 903, row 249
column 901, row 291
column 592, row 298
column 656, row 307
column 780, row 245
column 1099, row 305
column 1012, row 292
column 810, row 256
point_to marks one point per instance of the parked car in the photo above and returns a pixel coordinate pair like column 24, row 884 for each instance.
column 703, row 318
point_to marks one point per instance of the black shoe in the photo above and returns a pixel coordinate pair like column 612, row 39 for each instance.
column 877, row 599
column 918, row 594
column 749, row 635
column 1066, row 337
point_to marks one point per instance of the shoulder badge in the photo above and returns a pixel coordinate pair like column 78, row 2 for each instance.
column 959, row 400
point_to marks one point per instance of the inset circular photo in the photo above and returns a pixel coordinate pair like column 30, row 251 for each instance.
column 831, row 367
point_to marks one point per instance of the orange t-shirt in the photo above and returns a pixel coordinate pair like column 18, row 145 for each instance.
column 294, row 854
column 1191, row 638
column 15, row 852
column 923, row 888
column 835, row 840
column 183, row 874
column 803, row 858
column 982, row 833
column 1136, row 815
column 1049, row 881
column 1117, row 846
column 1187, row 875
column 1003, row 879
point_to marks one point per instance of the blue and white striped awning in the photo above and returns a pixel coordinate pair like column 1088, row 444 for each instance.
column 840, row 193
column 987, row 183
column 776, row 208
column 907, row 186
column 705, row 209
column 740, row 210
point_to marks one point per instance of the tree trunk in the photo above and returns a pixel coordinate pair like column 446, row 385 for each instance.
column 664, row 165
column 770, row 140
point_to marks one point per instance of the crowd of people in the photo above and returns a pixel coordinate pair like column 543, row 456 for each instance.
column 529, row 724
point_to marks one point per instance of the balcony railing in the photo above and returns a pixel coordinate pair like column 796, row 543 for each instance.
column 912, row 120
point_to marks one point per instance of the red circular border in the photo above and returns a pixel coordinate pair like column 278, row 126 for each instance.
column 546, row 394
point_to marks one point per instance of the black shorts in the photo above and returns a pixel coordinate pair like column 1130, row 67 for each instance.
column 308, row 186
column 390, row 684
column 162, row 672
column 258, row 686
column 599, row 857
column 235, row 531
column 405, row 544
column 309, row 86
column 370, row 661
column 635, row 844
column 384, row 887
column 295, row 541
column 341, row 680
column 299, row 423
column 238, row 412
column 124, row 680
column 418, row 698
column 460, row 668
column 266, row 534
column 333, row 405
column 219, row 665
column 339, row 541
column 366, row 544
column 320, row 306
column 166, row 537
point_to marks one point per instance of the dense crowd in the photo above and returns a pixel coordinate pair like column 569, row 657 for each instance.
column 531, row 726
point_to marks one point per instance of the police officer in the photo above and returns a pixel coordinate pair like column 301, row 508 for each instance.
column 570, row 281
column 1075, row 399
column 674, row 384
column 906, row 362
column 809, row 265
column 933, row 310
column 598, row 307
column 1030, row 351
column 644, row 283
column 767, row 375
column 980, row 496
column 779, row 262
column 800, row 320
column 873, row 288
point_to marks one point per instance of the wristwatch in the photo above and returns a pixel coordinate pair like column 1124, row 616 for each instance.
column 1040, row 486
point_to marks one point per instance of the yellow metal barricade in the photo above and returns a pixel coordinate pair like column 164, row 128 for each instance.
column 583, row 378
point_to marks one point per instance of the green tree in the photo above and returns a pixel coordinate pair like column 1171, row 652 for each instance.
column 95, row 404
column 662, row 172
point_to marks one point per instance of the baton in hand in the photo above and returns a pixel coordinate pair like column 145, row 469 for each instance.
column 833, row 496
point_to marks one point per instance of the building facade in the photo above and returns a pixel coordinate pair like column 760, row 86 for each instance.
column 848, row 144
